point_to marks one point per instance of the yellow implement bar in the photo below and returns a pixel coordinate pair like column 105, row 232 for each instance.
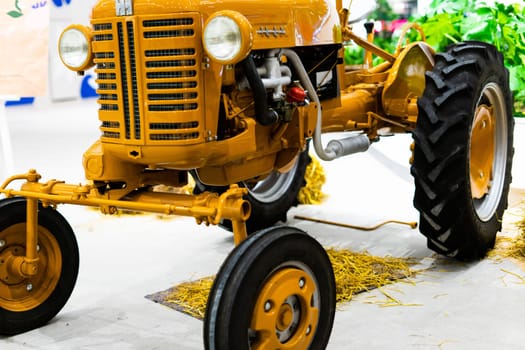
column 206, row 207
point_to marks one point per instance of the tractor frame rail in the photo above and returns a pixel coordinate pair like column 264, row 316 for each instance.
column 207, row 207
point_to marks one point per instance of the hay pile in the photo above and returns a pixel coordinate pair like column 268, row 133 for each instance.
column 517, row 247
column 511, row 247
column 190, row 297
column 311, row 192
column 354, row 273
column 360, row 272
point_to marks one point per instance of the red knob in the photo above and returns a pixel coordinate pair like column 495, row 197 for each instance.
column 296, row 94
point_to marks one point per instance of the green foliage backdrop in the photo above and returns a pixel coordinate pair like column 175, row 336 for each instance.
column 451, row 21
column 502, row 25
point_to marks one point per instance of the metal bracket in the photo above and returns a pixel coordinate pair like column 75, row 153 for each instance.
column 124, row 7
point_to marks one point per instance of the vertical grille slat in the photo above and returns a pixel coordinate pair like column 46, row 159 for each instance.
column 134, row 88
column 124, row 79
column 162, row 106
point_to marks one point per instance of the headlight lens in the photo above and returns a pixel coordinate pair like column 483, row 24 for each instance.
column 74, row 48
column 227, row 37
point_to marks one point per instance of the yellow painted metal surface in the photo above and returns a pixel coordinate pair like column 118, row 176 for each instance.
column 482, row 146
column 286, row 24
column 284, row 309
column 166, row 108
column 21, row 292
column 406, row 79
column 160, row 96
column 208, row 208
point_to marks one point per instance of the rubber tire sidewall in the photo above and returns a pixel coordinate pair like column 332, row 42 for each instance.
column 241, row 277
column 13, row 211
column 469, row 236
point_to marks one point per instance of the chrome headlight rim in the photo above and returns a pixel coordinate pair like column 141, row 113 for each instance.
column 237, row 28
column 84, row 36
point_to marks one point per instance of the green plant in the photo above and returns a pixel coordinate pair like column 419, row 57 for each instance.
column 15, row 13
column 502, row 25
column 452, row 21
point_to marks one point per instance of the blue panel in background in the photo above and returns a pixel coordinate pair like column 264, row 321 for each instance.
column 22, row 101
column 60, row 3
column 88, row 87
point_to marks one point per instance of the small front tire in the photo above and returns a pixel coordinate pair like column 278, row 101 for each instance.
column 29, row 303
column 276, row 290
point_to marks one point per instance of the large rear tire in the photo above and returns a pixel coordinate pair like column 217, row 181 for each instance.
column 463, row 150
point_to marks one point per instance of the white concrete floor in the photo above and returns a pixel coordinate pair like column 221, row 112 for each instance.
column 458, row 306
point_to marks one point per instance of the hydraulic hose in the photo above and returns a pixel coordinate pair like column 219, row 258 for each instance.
column 263, row 114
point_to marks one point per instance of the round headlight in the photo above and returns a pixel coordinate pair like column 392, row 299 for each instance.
column 227, row 37
column 74, row 47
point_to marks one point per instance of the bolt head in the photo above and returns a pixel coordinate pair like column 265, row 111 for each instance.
column 267, row 306
column 29, row 287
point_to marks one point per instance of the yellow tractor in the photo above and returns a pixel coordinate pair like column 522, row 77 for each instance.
column 231, row 93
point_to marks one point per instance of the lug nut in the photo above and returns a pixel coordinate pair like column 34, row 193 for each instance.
column 301, row 283
column 29, row 287
column 2, row 243
column 267, row 306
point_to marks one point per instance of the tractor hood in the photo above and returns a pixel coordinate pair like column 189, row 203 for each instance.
column 295, row 22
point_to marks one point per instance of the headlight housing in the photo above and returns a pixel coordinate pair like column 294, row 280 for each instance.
column 74, row 48
column 227, row 37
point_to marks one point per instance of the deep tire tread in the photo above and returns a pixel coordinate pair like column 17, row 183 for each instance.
column 441, row 139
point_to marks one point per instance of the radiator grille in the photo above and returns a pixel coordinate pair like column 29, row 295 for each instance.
column 149, row 79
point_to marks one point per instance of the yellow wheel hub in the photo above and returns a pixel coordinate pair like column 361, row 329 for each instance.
column 286, row 312
column 284, row 317
column 18, row 293
column 482, row 151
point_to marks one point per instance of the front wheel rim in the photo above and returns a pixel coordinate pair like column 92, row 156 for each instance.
column 286, row 313
column 488, row 151
column 20, row 294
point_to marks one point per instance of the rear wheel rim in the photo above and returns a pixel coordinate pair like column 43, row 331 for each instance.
column 273, row 187
column 488, row 151
column 19, row 294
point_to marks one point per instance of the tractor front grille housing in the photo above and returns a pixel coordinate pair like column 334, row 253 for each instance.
column 149, row 79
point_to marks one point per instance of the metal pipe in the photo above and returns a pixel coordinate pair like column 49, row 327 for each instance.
column 263, row 114
column 349, row 145
column 336, row 148
column 305, row 80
